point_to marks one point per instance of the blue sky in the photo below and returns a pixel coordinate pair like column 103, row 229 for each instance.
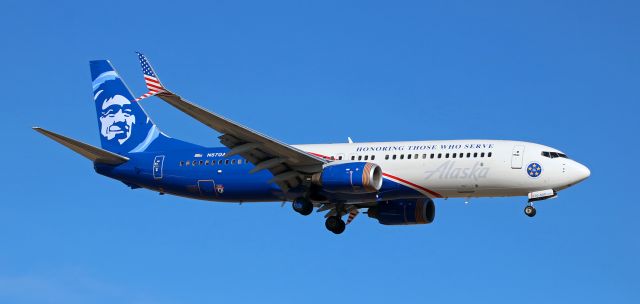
column 561, row 73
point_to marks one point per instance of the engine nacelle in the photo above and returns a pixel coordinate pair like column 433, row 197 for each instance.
column 353, row 177
column 404, row 212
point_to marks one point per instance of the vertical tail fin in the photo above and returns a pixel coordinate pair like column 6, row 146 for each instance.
column 124, row 125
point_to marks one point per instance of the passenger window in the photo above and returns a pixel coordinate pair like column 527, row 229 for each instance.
column 188, row 163
column 220, row 162
column 439, row 155
column 373, row 157
column 366, row 157
column 432, row 155
column 461, row 155
column 239, row 162
column 482, row 154
column 475, row 154
column 359, row 157
column 386, row 156
column 394, row 156
column 339, row 157
column 233, row 161
column 408, row 156
column 181, row 163
column 401, row 156
column 489, row 155
column 468, row 154
column 454, row 155
column 446, row 155
column 195, row 162
column 353, row 157
column 415, row 156
column 226, row 161
column 206, row 162
column 424, row 156
column 201, row 162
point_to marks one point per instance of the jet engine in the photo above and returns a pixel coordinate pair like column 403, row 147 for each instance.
column 404, row 212
column 353, row 177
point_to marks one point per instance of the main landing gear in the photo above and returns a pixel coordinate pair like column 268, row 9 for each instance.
column 335, row 224
column 302, row 206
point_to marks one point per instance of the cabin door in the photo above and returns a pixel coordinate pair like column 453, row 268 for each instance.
column 516, row 157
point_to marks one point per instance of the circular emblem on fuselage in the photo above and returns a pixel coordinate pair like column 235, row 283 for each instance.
column 220, row 188
column 534, row 170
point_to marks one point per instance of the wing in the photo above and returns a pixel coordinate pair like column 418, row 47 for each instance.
column 288, row 164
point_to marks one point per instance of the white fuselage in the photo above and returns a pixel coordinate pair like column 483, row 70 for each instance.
column 463, row 168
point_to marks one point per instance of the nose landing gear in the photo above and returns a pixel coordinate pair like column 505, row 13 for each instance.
column 529, row 210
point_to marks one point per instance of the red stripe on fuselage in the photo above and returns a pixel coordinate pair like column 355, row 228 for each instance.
column 320, row 155
column 436, row 194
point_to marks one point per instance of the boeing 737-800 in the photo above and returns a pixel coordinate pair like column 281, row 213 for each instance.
column 395, row 182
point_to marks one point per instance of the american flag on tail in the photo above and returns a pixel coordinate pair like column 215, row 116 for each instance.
column 150, row 78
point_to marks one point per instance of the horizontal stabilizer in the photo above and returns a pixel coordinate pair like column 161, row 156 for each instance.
column 93, row 153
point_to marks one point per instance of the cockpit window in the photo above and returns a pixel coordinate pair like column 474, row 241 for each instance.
column 553, row 154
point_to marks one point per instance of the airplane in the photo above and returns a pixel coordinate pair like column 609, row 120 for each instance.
column 396, row 182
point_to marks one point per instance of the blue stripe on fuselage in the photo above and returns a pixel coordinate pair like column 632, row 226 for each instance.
column 232, row 182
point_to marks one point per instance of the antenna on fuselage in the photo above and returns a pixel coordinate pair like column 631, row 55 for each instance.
column 349, row 139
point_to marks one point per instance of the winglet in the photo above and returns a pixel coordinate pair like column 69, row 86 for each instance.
column 150, row 78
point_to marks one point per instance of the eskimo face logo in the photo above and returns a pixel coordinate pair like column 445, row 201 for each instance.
column 534, row 170
column 116, row 118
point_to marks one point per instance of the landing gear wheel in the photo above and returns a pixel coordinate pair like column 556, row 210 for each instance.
column 530, row 211
column 335, row 224
column 302, row 206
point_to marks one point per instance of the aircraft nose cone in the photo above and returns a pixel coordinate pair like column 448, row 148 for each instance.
column 582, row 172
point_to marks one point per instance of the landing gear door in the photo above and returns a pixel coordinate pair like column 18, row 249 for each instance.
column 516, row 157
column 157, row 166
